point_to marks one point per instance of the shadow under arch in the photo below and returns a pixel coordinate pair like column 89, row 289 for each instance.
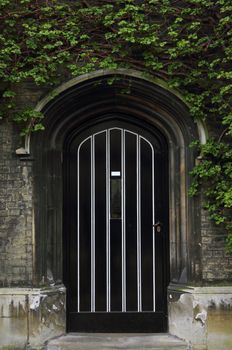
column 89, row 100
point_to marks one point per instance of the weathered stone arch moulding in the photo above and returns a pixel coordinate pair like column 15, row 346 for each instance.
column 74, row 103
column 201, row 126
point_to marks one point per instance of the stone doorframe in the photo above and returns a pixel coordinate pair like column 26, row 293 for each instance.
column 89, row 98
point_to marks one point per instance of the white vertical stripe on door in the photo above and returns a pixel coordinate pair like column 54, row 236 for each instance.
column 123, row 201
column 92, row 223
column 153, row 225
column 138, row 184
column 108, row 275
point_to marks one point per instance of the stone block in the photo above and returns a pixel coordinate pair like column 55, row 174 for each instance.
column 29, row 317
column 13, row 321
column 220, row 328
column 202, row 316
column 47, row 317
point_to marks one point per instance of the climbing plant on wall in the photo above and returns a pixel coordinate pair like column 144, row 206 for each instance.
column 187, row 43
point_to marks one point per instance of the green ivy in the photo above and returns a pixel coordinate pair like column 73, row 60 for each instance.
column 187, row 43
column 214, row 172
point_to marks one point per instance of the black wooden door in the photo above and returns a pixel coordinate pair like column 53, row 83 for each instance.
column 115, row 229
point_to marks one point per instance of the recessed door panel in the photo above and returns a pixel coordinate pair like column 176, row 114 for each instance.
column 84, row 225
column 131, row 221
column 100, row 221
column 147, row 214
column 114, row 273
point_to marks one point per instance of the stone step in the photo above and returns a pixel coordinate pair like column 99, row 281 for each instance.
column 97, row 341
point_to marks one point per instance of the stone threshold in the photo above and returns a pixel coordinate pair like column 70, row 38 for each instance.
column 111, row 341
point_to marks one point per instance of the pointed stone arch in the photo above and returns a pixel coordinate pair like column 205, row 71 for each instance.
column 90, row 98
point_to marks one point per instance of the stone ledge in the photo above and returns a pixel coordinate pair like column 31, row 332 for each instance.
column 201, row 290
column 30, row 291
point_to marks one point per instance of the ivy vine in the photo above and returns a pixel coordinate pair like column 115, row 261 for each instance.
column 187, row 43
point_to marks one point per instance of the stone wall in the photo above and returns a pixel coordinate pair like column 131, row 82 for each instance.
column 16, row 241
column 16, row 212
column 29, row 317
column 216, row 263
column 201, row 316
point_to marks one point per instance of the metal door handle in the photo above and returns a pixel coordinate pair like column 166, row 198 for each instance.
column 158, row 226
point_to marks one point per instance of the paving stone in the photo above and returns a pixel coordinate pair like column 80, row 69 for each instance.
column 117, row 341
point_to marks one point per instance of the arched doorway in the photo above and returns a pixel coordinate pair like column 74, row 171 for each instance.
column 116, row 226
column 148, row 110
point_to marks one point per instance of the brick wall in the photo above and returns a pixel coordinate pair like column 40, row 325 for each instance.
column 15, row 211
column 216, row 263
column 16, row 204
